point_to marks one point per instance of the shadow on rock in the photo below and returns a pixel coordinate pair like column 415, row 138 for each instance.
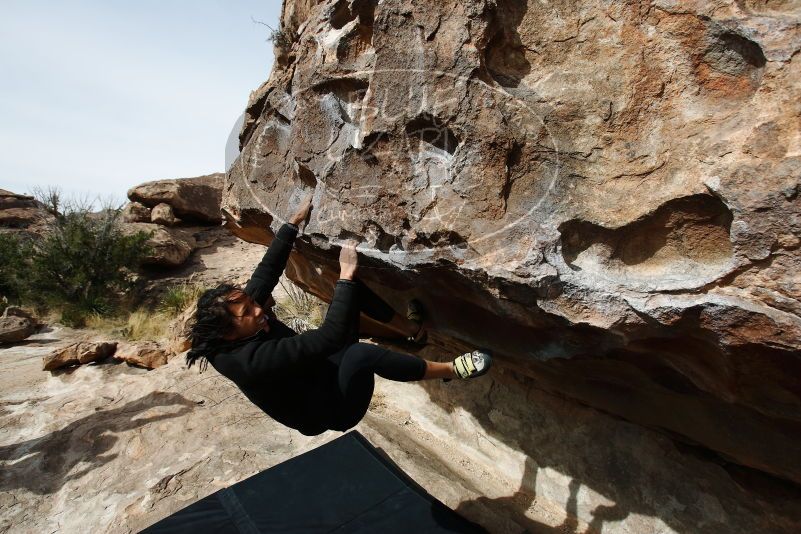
column 43, row 465
column 31, row 342
column 514, row 507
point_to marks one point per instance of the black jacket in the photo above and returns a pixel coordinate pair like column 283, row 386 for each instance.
column 284, row 373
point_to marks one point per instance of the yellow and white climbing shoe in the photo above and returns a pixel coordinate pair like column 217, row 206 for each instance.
column 472, row 364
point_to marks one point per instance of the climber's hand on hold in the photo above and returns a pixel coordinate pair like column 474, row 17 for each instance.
column 302, row 213
column 348, row 260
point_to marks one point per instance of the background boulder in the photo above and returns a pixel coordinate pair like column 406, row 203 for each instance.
column 14, row 329
column 22, row 213
column 78, row 353
column 170, row 246
column 148, row 354
column 194, row 199
column 135, row 212
column 163, row 214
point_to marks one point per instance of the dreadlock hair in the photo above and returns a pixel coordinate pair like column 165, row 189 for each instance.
column 212, row 321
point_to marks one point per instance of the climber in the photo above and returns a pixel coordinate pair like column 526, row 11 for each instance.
column 318, row 380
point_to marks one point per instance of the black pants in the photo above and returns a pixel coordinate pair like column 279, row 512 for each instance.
column 353, row 367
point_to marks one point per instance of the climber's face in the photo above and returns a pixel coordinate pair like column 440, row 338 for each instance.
column 247, row 316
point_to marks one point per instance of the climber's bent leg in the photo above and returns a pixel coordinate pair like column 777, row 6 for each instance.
column 362, row 357
column 357, row 364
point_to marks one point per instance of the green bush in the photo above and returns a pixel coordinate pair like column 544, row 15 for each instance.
column 81, row 265
column 282, row 38
column 14, row 250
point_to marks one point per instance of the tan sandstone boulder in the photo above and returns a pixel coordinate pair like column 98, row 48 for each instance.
column 16, row 324
column 135, row 212
column 170, row 246
column 196, row 199
column 162, row 214
column 14, row 329
column 148, row 354
column 78, row 353
column 22, row 213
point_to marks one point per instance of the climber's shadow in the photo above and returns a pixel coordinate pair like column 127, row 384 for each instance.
column 514, row 506
column 43, row 465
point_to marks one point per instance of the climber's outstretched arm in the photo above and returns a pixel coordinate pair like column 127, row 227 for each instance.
column 267, row 273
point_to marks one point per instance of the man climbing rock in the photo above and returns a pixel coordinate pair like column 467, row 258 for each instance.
column 318, row 380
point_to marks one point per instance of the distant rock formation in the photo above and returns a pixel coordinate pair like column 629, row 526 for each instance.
column 16, row 325
column 170, row 247
column 135, row 212
column 163, row 214
column 193, row 199
column 177, row 211
column 22, row 213
column 607, row 195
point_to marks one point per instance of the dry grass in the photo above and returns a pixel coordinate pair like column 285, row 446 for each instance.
column 146, row 323
column 300, row 311
column 140, row 324
column 178, row 298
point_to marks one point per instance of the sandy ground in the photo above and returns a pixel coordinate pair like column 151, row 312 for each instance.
column 107, row 447
column 110, row 447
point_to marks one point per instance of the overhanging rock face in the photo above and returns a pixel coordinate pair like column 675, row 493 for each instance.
column 606, row 195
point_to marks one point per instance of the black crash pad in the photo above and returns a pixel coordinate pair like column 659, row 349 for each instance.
column 344, row 486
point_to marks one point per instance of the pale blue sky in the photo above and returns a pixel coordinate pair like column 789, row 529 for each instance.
column 97, row 97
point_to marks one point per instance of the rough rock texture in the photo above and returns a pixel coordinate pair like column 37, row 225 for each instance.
column 14, row 328
column 179, row 213
column 17, row 324
column 135, row 212
column 170, row 246
column 606, row 194
column 163, row 214
column 78, row 353
column 16, row 311
column 195, row 199
column 114, row 448
column 22, row 213
column 178, row 333
column 147, row 354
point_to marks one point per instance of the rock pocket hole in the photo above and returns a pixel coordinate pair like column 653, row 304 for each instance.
column 380, row 239
column 733, row 54
column 341, row 14
column 305, row 176
column 441, row 239
column 505, row 54
column 360, row 39
column 730, row 64
column 686, row 239
column 372, row 146
column 428, row 130
column 343, row 97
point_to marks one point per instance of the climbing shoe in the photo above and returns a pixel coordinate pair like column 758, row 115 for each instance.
column 414, row 313
column 472, row 364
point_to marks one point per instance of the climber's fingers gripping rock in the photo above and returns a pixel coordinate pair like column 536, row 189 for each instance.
column 302, row 212
column 348, row 260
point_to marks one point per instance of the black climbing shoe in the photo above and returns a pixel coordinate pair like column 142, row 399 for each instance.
column 471, row 364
